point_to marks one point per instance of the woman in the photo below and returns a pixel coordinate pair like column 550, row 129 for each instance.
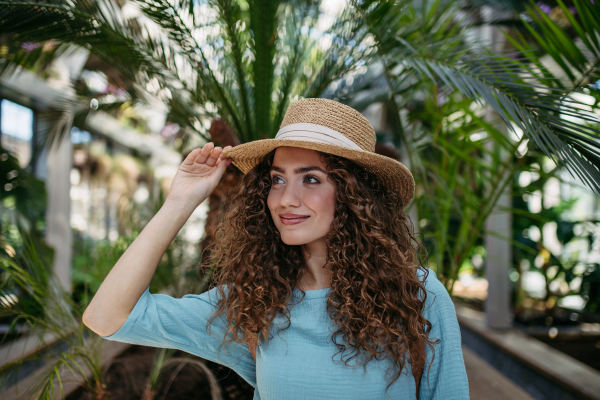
column 317, row 294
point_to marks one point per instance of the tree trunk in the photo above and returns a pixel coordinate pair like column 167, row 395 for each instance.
column 101, row 392
column 148, row 394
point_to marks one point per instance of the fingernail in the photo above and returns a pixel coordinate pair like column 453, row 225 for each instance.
column 229, row 162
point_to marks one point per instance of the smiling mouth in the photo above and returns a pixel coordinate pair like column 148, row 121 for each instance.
column 293, row 219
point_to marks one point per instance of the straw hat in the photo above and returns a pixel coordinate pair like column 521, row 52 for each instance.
column 333, row 128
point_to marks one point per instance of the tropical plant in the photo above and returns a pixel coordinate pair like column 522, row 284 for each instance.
column 244, row 62
column 22, row 208
column 575, row 49
column 572, row 42
column 564, row 41
column 56, row 313
column 538, row 214
column 519, row 94
column 462, row 171
column 426, row 58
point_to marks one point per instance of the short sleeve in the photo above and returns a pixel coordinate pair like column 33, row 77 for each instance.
column 159, row 320
column 447, row 377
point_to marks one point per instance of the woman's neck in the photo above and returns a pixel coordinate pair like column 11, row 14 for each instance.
column 316, row 276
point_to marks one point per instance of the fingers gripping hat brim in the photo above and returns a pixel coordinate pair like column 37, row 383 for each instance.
column 334, row 125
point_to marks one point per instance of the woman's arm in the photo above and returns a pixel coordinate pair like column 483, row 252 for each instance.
column 196, row 178
column 159, row 320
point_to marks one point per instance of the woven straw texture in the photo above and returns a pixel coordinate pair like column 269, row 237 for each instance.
column 333, row 115
column 344, row 120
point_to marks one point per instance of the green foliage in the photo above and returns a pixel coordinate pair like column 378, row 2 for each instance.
column 22, row 210
column 458, row 175
column 247, row 73
column 22, row 197
column 43, row 308
column 517, row 92
column 576, row 50
column 259, row 60
column 436, row 89
column 530, row 253
column 60, row 317
column 572, row 45
column 461, row 167
column 92, row 261
column 591, row 288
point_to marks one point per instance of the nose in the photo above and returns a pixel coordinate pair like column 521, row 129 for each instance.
column 290, row 196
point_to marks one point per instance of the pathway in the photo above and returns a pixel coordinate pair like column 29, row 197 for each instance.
column 486, row 383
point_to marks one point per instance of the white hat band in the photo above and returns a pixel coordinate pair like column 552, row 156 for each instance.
column 315, row 133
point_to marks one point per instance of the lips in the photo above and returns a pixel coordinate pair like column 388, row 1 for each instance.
column 293, row 219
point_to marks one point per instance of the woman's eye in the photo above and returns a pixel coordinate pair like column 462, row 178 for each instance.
column 276, row 179
column 311, row 179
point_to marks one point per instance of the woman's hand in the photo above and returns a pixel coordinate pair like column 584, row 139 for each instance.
column 198, row 175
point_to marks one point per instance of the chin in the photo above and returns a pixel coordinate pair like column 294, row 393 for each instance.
column 294, row 240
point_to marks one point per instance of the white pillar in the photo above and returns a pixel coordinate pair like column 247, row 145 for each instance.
column 58, row 212
column 498, row 262
column 499, row 249
column 498, row 233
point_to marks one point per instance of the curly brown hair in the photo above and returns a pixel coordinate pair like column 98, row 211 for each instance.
column 377, row 297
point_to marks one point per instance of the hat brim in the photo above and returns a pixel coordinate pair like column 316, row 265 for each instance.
column 392, row 173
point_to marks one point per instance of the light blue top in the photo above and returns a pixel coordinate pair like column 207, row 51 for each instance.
column 297, row 363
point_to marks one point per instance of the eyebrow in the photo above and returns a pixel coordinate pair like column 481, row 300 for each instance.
column 299, row 170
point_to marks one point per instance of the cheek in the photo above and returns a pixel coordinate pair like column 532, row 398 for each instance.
column 322, row 202
column 272, row 201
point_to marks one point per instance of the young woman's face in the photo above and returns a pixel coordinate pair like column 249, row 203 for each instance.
column 302, row 197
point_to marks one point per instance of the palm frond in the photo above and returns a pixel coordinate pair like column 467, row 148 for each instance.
column 236, row 32
column 264, row 21
column 521, row 101
column 577, row 54
column 59, row 315
column 294, row 50
column 507, row 84
column 206, row 83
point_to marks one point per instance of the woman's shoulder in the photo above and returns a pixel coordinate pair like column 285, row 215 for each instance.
column 431, row 281
column 438, row 300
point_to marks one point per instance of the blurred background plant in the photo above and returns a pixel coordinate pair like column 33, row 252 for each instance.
column 22, row 206
column 552, row 244
column 555, row 222
column 41, row 308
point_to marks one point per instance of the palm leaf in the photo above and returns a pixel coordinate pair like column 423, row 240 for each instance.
column 239, row 37
column 263, row 22
column 242, row 63
column 578, row 56
column 61, row 316
column 508, row 85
